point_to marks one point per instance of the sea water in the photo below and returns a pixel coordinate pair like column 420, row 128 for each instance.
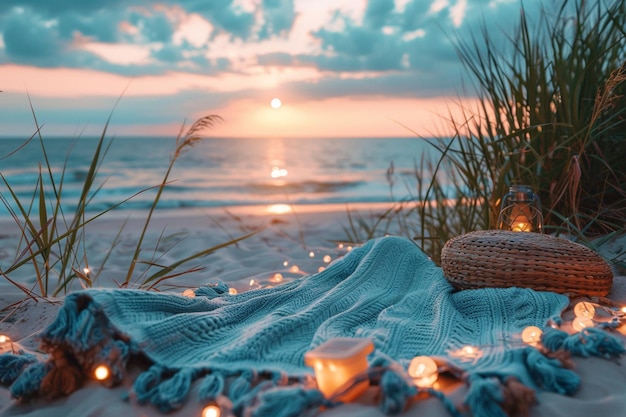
column 216, row 172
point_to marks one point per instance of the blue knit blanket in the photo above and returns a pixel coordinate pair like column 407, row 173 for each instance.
column 250, row 347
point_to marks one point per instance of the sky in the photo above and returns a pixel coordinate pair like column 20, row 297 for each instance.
column 341, row 68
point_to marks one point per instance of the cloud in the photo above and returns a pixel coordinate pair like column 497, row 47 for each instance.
column 30, row 39
column 278, row 18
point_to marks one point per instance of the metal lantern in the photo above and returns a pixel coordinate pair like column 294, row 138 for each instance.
column 520, row 211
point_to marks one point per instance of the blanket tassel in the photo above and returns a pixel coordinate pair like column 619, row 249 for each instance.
column 12, row 365
column 549, row 373
column 590, row 341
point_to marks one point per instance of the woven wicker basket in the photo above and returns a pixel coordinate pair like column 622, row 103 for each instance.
column 498, row 258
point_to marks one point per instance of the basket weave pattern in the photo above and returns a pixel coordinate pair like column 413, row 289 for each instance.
column 499, row 258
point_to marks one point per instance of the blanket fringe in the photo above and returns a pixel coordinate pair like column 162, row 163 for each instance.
column 548, row 373
column 211, row 387
column 590, row 341
column 396, row 390
column 485, row 397
column 12, row 365
column 27, row 385
column 285, row 402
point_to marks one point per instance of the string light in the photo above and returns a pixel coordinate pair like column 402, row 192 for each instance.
column 101, row 372
column 327, row 259
column 4, row 338
column 584, row 309
column 294, row 269
column 277, row 277
column 211, row 410
column 532, row 335
column 189, row 293
column 580, row 323
column 311, row 254
column 423, row 370
column 232, row 291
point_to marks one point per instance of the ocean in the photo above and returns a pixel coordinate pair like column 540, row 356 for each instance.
column 216, row 172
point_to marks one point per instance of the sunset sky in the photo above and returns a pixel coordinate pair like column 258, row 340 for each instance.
column 352, row 68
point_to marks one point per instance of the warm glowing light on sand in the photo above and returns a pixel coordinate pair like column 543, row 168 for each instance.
column 211, row 411
column 532, row 335
column 279, row 209
column 276, row 103
column 424, row 371
column 277, row 277
column 580, row 323
column 101, row 372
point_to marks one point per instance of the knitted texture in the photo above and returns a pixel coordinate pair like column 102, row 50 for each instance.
column 250, row 347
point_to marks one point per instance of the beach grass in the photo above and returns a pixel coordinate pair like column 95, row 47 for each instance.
column 551, row 114
column 52, row 242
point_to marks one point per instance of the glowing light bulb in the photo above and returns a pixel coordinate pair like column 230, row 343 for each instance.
column 580, row 323
column 294, row 269
column 86, row 270
column 232, row 291
column 211, row 410
column 286, row 263
column 468, row 350
column 101, row 372
column 4, row 338
column 424, row 371
column 584, row 309
column 277, row 277
column 189, row 293
column 327, row 259
column 532, row 335
column 311, row 254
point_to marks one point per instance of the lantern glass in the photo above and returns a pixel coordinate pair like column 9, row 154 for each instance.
column 520, row 211
column 338, row 361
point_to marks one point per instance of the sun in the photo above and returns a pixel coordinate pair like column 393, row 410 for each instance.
column 276, row 103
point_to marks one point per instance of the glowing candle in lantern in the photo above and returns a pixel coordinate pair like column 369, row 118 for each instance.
column 579, row 323
column 520, row 211
column 532, row 335
column 338, row 361
column 211, row 410
column 101, row 372
column 584, row 309
column 424, row 371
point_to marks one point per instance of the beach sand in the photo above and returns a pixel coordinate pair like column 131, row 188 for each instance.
column 289, row 244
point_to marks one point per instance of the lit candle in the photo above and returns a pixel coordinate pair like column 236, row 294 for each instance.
column 211, row 410
column 584, row 309
column 521, row 224
column 532, row 335
column 424, row 371
column 338, row 361
column 579, row 323
column 101, row 372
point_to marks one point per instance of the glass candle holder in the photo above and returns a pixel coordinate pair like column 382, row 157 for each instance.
column 338, row 361
column 520, row 211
